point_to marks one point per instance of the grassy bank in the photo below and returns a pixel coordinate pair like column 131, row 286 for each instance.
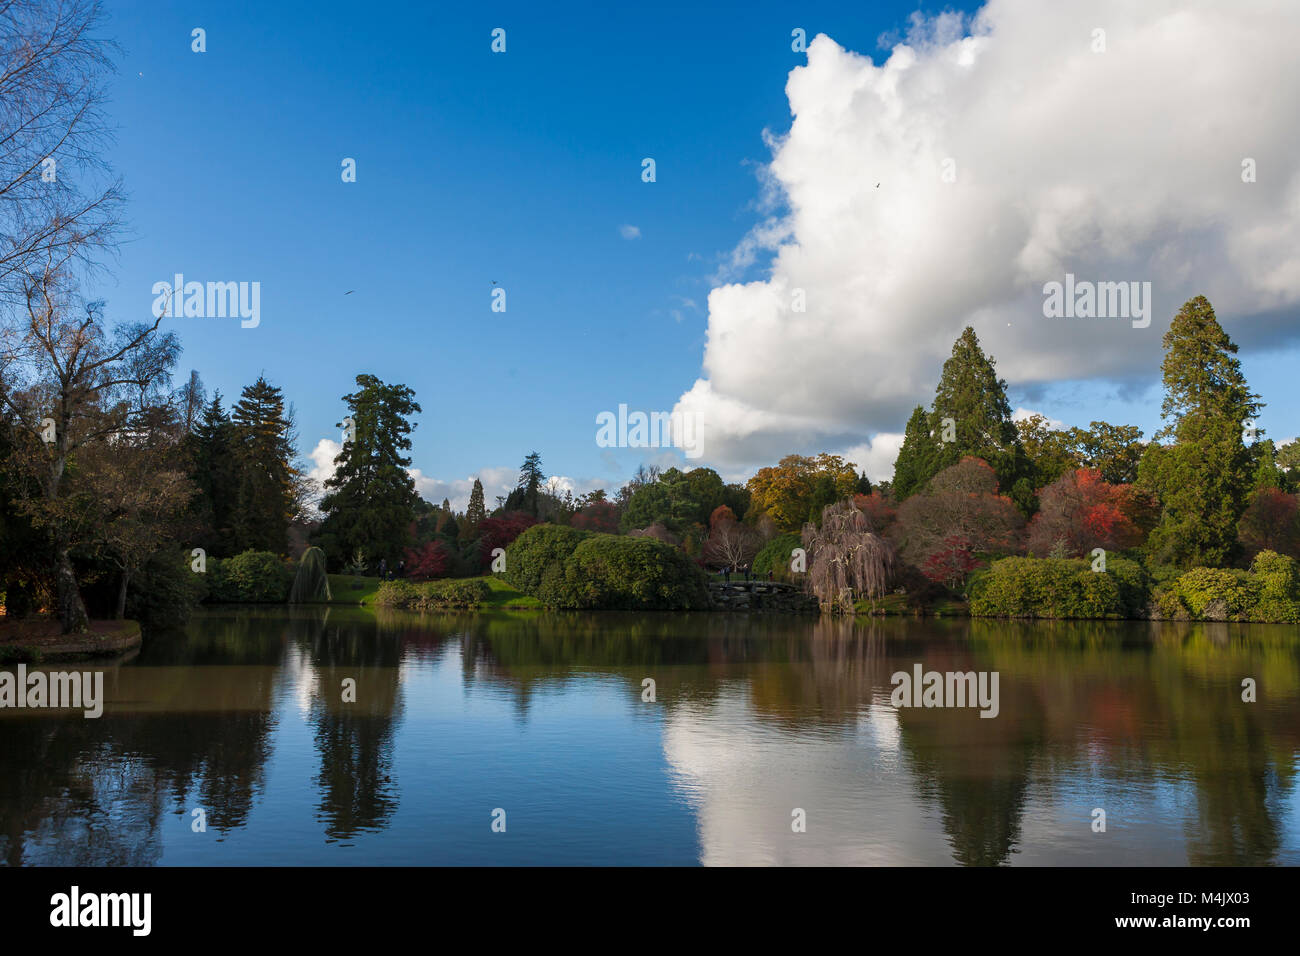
column 501, row 596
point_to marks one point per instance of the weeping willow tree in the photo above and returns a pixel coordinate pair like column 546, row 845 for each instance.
column 846, row 557
column 310, row 583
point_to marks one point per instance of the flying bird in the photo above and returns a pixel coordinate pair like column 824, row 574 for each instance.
column 350, row 291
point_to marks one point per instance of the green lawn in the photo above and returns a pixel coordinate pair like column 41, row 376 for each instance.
column 343, row 591
column 503, row 596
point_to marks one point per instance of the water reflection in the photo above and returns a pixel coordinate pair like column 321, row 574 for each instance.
column 244, row 715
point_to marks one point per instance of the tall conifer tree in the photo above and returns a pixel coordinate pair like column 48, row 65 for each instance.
column 917, row 459
column 370, row 500
column 263, row 453
column 1205, row 477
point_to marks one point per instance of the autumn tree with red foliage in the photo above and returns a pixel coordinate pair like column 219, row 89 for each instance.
column 961, row 510
column 1271, row 523
column 430, row 560
column 601, row 516
column 951, row 562
column 500, row 531
column 1081, row 511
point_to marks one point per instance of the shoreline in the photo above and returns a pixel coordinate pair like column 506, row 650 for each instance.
column 38, row 641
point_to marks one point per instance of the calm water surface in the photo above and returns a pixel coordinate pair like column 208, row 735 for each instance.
column 543, row 716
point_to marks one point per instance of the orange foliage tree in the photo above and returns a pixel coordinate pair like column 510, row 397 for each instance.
column 1081, row 511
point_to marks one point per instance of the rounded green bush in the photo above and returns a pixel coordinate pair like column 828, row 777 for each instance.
column 1059, row 588
column 1215, row 594
column 463, row 594
column 254, row 577
column 636, row 574
column 540, row 547
column 1275, row 579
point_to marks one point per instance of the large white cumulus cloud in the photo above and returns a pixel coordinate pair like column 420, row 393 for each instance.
column 1116, row 165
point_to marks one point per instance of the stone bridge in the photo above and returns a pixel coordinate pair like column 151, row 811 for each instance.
column 768, row 596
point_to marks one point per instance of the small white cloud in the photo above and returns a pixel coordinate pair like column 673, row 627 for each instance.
column 1021, row 414
column 877, row 456
column 322, row 460
column 629, row 232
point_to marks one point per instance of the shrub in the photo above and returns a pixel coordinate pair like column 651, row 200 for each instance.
column 1275, row 580
column 1269, row 593
column 607, row 571
column 1213, row 594
column 165, row 590
column 399, row 593
column 17, row 599
column 254, row 577
column 1059, row 588
column 775, row 556
column 541, row 546
column 465, row 594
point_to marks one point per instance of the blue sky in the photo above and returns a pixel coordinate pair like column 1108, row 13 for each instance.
column 475, row 167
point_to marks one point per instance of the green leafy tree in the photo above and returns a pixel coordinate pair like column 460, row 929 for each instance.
column 798, row 488
column 370, row 500
column 681, row 501
column 1051, row 452
column 1288, row 456
column 93, row 384
column 1114, row 450
column 1205, row 478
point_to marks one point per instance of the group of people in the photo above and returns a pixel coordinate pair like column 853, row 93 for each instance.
column 386, row 575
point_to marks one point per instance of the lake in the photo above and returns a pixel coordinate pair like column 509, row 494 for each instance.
column 759, row 726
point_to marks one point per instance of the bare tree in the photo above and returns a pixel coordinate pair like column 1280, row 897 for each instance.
column 846, row 556
column 58, row 199
column 730, row 543
column 68, row 383
column 191, row 399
